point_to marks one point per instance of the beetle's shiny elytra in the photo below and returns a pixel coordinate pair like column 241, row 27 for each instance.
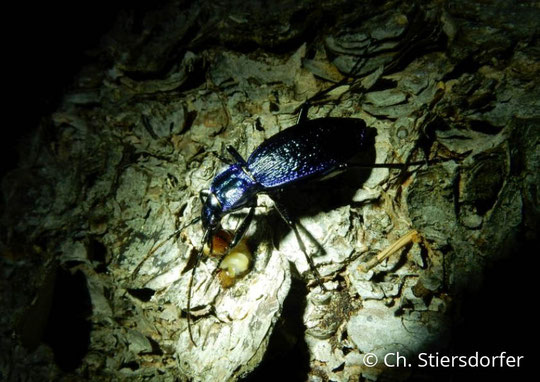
column 314, row 148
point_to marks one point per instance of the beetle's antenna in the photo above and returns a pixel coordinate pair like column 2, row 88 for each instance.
column 154, row 249
column 206, row 238
column 393, row 165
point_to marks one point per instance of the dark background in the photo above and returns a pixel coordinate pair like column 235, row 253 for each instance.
column 45, row 45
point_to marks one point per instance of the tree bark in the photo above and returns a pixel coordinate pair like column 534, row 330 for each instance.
column 109, row 176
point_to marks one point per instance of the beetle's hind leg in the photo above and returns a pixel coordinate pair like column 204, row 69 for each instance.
column 319, row 96
column 292, row 225
column 234, row 156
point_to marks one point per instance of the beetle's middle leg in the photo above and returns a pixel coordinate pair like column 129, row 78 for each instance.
column 292, row 225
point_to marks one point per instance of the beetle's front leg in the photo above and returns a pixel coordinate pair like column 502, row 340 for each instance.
column 240, row 232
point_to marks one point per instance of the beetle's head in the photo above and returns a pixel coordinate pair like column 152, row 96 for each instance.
column 211, row 211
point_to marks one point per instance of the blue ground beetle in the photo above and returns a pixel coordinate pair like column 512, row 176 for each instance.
column 310, row 150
